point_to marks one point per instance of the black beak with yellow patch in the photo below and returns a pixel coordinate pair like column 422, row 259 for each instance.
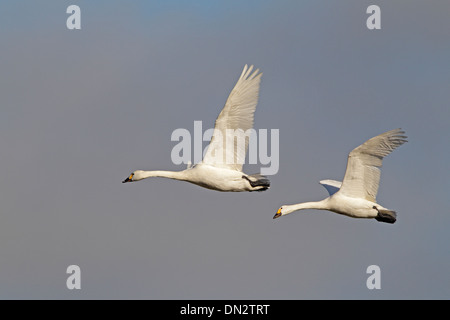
column 278, row 214
column 129, row 179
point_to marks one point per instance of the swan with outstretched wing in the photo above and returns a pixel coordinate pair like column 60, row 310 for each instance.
column 221, row 167
column 356, row 195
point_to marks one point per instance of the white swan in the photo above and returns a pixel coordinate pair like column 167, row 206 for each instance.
column 355, row 196
column 221, row 167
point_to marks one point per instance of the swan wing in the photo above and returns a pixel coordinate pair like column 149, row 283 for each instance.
column 362, row 176
column 232, row 124
column 332, row 186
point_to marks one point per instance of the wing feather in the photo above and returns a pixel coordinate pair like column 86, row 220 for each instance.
column 332, row 186
column 362, row 176
column 237, row 116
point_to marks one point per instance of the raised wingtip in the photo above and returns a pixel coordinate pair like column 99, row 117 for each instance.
column 247, row 72
column 244, row 72
column 398, row 136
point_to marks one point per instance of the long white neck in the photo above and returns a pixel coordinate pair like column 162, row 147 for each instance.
column 320, row 205
column 177, row 175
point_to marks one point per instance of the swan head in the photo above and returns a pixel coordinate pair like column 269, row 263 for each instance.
column 134, row 176
column 281, row 212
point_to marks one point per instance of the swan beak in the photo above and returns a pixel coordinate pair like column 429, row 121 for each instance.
column 128, row 179
column 278, row 214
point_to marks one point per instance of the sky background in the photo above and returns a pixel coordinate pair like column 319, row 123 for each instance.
column 81, row 109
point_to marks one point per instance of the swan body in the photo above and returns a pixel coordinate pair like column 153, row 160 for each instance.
column 209, row 177
column 349, row 206
column 355, row 196
column 216, row 171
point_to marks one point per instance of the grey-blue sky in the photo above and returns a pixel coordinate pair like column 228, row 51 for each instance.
column 82, row 109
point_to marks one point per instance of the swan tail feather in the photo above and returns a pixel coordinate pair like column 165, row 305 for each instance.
column 387, row 216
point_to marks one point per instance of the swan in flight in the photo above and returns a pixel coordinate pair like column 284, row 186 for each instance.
column 356, row 195
column 221, row 167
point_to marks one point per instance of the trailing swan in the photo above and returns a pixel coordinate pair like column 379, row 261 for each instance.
column 221, row 167
column 356, row 195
